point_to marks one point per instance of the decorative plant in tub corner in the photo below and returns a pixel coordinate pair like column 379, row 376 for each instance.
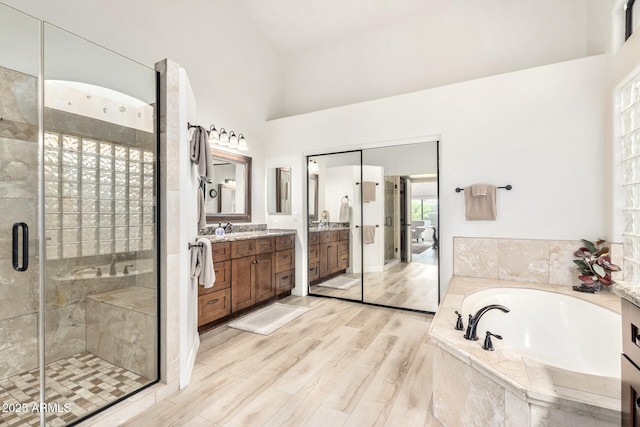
column 594, row 265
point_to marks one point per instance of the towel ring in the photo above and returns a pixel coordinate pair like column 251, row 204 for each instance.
column 213, row 193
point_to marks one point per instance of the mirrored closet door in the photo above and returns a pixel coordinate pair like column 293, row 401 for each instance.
column 334, row 225
column 373, row 226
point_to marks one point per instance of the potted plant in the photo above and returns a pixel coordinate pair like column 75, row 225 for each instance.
column 594, row 265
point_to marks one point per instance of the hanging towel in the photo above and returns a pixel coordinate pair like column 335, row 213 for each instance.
column 480, row 208
column 368, row 191
column 344, row 210
column 200, row 152
column 202, row 263
column 479, row 190
column 369, row 234
column 202, row 205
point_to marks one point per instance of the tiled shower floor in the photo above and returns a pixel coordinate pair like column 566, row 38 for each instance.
column 83, row 382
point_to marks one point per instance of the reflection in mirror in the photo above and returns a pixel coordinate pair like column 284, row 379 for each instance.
column 401, row 263
column 229, row 195
column 335, row 263
column 279, row 190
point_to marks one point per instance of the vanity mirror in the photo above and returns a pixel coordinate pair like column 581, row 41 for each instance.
column 279, row 190
column 229, row 195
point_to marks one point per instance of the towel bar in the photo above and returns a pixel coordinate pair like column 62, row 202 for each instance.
column 192, row 245
column 377, row 226
column 377, row 183
column 506, row 187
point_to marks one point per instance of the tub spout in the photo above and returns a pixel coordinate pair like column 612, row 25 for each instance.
column 471, row 333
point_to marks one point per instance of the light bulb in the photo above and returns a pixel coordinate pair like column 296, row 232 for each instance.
column 214, row 137
column 242, row 143
column 224, row 138
column 233, row 140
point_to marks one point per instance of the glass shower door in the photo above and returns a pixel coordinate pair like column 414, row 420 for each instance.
column 100, row 151
column 19, row 207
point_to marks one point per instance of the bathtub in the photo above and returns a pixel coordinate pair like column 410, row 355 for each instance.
column 554, row 329
column 557, row 364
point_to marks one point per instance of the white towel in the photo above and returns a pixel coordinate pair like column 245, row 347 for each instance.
column 480, row 208
column 368, row 191
column 202, row 263
column 369, row 234
column 344, row 211
column 200, row 152
column 479, row 190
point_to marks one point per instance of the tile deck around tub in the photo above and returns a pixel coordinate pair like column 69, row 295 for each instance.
column 84, row 382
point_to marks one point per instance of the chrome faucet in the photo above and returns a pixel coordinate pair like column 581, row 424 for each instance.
column 472, row 328
column 112, row 269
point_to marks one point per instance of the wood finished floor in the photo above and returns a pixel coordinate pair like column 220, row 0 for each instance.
column 409, row 285
column 339, row 364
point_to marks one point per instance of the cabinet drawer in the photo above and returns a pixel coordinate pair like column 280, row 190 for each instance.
column 221, row 251
column 314, row 272
column 325, row 236
column 285, row 281
column 242, row 248
column 223, row 278
column 631, row 331
column 264, row 245
column 343, row 247
column 630, row 393
column 314, row 253
column 284, row 260
column 285, row 242
column 343, row 261
column 214, row 306
column 314, row 238
column 344, row 234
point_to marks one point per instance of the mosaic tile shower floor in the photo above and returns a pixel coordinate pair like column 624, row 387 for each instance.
column 75, row 386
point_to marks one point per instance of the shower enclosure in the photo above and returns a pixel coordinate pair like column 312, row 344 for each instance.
column 78, row 238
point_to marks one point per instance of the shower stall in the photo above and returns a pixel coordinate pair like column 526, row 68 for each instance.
column 78, row 225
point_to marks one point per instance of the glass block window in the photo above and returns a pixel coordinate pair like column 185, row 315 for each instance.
column 99, row 197
column 630, row 130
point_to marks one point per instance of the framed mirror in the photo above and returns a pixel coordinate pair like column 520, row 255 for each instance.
column 229, row 195
column 313, row 196
column 279, row 190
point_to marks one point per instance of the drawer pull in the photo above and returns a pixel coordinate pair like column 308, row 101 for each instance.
column 638, row 404
column 213, row 301
column 285, row 277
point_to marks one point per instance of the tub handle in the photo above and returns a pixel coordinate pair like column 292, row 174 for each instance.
column 459, row 324
column 488, row 345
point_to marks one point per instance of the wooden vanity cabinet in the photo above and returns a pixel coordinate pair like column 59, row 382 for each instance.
column 314, row 257
column 333, row 252
column 630, row 376
column 247, row 272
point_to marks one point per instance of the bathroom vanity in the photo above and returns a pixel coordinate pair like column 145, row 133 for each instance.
column 251, row 268
column 328, row 253
column 631, row 354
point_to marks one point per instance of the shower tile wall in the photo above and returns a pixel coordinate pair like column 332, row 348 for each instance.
column 18, row 203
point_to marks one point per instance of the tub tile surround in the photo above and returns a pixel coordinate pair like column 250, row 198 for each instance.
column 522, row 260
column 513, row 390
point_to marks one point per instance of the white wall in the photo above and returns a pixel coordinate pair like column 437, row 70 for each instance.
column 456, row 40
column 540, row 130
column 235, row 72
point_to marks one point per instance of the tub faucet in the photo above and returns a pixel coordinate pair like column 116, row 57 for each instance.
column 112, row 269
column 474, row 320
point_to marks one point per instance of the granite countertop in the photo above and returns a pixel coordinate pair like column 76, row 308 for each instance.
column 245, row 235
column 334, row 228
column 628, row 291
column 515, row 371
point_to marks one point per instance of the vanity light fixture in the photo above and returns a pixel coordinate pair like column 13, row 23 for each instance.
column 214, row 137
column 233, row 140
column 313, row 166
column 224, row 138
column 242, row 143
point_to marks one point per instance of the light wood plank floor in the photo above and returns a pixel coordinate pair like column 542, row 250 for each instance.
column 409, row 285
column 339, row 364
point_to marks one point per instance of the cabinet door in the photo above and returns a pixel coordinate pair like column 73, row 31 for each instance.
column 333, row 260
column 314, row 254
column 223, row 278
column 325, row 256
column 243, row 293
column 264, row 277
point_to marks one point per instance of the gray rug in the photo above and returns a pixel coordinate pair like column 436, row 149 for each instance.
column 268, row 319
column 340, row 282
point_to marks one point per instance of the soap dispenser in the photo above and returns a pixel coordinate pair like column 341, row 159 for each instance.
column 219, row 231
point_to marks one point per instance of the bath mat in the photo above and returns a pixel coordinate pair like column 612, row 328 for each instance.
column 268, row 319
column 340, row 282
column 417, row 250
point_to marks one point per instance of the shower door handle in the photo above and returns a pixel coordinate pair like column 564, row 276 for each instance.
column 25, row 247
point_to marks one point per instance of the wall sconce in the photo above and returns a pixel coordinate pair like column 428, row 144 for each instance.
column 313, row 166
column 227, row 140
